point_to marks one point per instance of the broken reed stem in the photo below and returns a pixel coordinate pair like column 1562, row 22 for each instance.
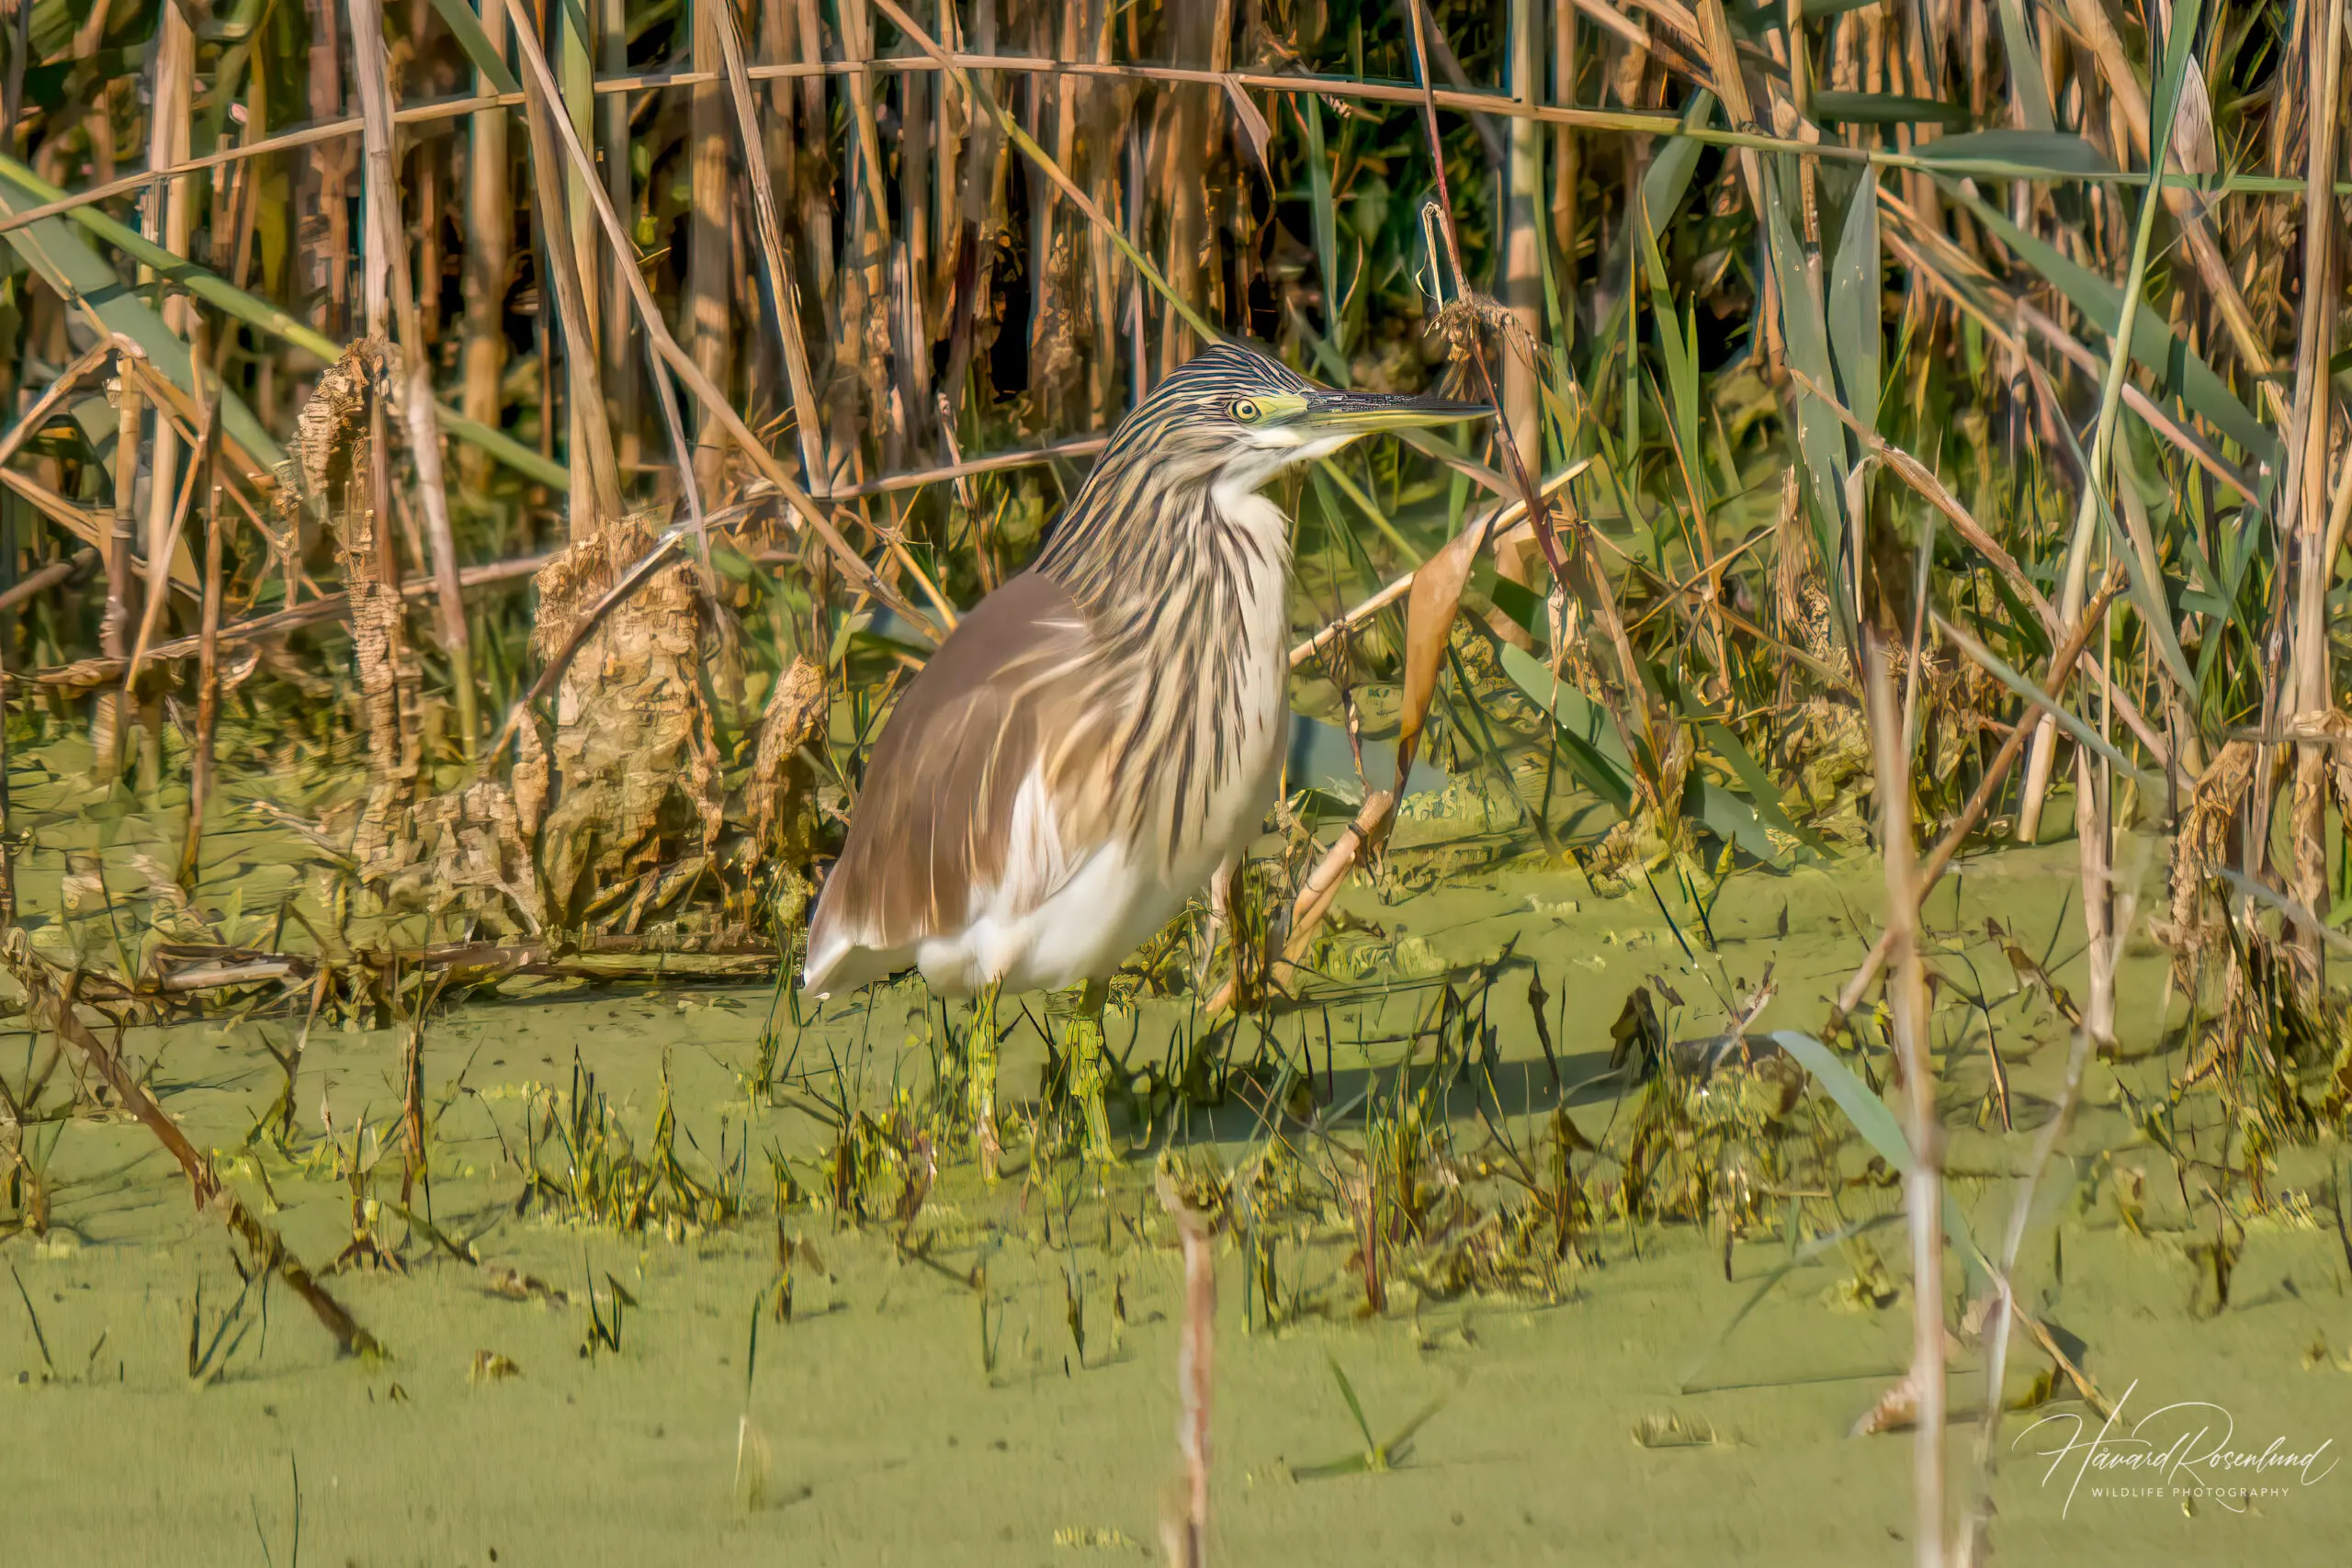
column 86, row 673
column 1184, row 1530
column 208, row 700
column 413, row 1101
column 1939, row 859
column 1506, row 526
column 267, row 1247
column 116, row 621
column 1322, row 886
column 165, row 543
column 1923, row 1182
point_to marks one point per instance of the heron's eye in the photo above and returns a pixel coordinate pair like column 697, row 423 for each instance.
column 1245, row 410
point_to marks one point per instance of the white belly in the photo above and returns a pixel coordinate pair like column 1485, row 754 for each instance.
column 1113, row 901
column 1054, row 919
column 1059, row 916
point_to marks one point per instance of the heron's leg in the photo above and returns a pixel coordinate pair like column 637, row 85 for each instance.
column 981, row 1086
column 1090, row 1070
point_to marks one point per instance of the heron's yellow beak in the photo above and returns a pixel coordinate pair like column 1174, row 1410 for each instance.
column 1361, row 414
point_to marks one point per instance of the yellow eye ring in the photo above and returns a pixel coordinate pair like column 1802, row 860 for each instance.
column 1244, row 410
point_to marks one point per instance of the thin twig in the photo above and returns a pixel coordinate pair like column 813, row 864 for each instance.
column 268, row 1249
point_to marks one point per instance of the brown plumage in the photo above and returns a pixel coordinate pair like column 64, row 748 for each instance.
column 1104, row 733
column 936, row 819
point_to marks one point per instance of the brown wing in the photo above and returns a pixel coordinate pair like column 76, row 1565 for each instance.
column 934, row 820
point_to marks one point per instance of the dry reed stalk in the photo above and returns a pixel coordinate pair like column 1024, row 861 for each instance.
column 1193, row 40
column 703, row 312
column 570, row 33
column 388, row 272
column 775, row 272
column 117, row 545
column 86, row 673
column 208, row 701
column 862, row 334
column 1923, row 1182
column 2305, row 497
column 622, row 372
column 412, row 1163
column 162, row 546
column 171, row 223
column 1522, row 267
column 489, row 236
column 1082, row 446
column 74, row 566
column 912, row 328
column 1568, row 168
column 1368, row 827
column 1185, row 1525
column 328, row 252
column 595, row 503
column 1509, row 525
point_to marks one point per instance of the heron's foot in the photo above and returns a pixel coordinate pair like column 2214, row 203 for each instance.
column 981, row 1062
column 1089, row 1073
column 1090, row 1076
column 991, row 1148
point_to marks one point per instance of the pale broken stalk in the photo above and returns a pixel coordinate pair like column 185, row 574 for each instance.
column 2118, row 372
column 2306, row 490
column 1184, row 1527
column 1923, row 1183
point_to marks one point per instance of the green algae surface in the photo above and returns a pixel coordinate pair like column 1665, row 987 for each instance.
column 994, row 1381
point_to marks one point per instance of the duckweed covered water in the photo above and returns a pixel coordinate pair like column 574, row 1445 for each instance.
column 994, row 1382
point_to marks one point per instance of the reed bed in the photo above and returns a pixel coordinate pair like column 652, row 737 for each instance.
column 518, row 451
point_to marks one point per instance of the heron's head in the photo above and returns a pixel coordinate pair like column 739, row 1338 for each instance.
column 1234, row 418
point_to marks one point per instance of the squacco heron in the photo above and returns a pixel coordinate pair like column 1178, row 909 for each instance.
column 1100, row 739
